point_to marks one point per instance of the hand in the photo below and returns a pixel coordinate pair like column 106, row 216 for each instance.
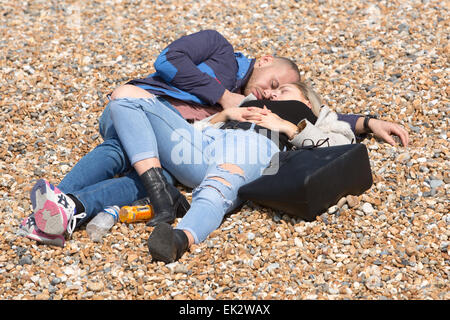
column 249, row 114
column 230, row 100
column 273, row 122
column 384, row 129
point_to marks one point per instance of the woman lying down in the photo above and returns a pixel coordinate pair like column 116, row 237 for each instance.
column 294, row 110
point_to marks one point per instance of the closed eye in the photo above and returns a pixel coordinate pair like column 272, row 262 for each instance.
column 275, row 84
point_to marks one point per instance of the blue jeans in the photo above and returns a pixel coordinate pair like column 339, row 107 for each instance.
column 216, row 162
column 93, row 180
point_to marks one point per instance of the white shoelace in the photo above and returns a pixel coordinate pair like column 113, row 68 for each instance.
column 73, row 222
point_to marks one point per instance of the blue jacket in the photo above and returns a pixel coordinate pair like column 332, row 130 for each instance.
column 198, row 67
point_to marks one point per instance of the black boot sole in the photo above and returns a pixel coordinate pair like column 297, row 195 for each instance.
column 161, row 243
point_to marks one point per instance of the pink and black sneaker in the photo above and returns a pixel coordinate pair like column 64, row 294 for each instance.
column 52, row 208
column 28, row 229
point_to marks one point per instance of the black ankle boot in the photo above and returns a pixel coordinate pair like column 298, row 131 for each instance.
column 167, row 202
column 181, row 211
column 167, row 244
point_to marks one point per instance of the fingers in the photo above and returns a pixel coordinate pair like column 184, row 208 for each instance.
column 260, row 110
column 398, row 130
column 386, row 137
column 250, row 116
column 267, row 110
column 384, row 130
column 254, row 112
column 402, row 134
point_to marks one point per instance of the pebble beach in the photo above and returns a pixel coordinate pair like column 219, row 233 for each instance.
column 60, row 59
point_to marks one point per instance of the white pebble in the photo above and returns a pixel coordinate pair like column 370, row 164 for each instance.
column 367, row 208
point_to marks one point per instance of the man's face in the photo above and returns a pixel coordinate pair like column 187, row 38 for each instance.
column 268, row 74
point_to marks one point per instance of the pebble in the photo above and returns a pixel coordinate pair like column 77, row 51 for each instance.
column 25, row 260
column 298, row 242
column 95, row 286
column 176, row 267
column 341, row 202
column 391, row 242
column 403, row 157
column 352, row 201
column 367, row 208
column 272, row 267
column 436, row 183
column 333, row 209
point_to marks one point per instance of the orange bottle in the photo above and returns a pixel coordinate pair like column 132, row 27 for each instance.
column 131, row 214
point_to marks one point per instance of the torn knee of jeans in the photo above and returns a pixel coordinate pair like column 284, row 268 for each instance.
column 203, row 187
column 217, row 180
column 227, row 202
column 232, row 168
column 220, row 179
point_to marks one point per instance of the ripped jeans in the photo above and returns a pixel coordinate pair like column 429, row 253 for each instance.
column 215, row 162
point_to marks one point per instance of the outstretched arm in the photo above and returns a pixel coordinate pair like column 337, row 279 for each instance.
column 384, row 130
column 380, row 128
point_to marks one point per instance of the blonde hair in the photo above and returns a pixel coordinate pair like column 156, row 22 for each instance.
column 312, row 96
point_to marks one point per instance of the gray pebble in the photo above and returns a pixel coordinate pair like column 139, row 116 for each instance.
column 414, row 128
column 436, row 183
column 377, row 262
column 273, row 266
column 25, row 260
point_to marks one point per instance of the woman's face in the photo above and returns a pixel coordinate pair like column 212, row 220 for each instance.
column 287, row 92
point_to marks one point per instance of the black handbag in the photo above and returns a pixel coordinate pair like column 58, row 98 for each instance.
column 310, row 180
